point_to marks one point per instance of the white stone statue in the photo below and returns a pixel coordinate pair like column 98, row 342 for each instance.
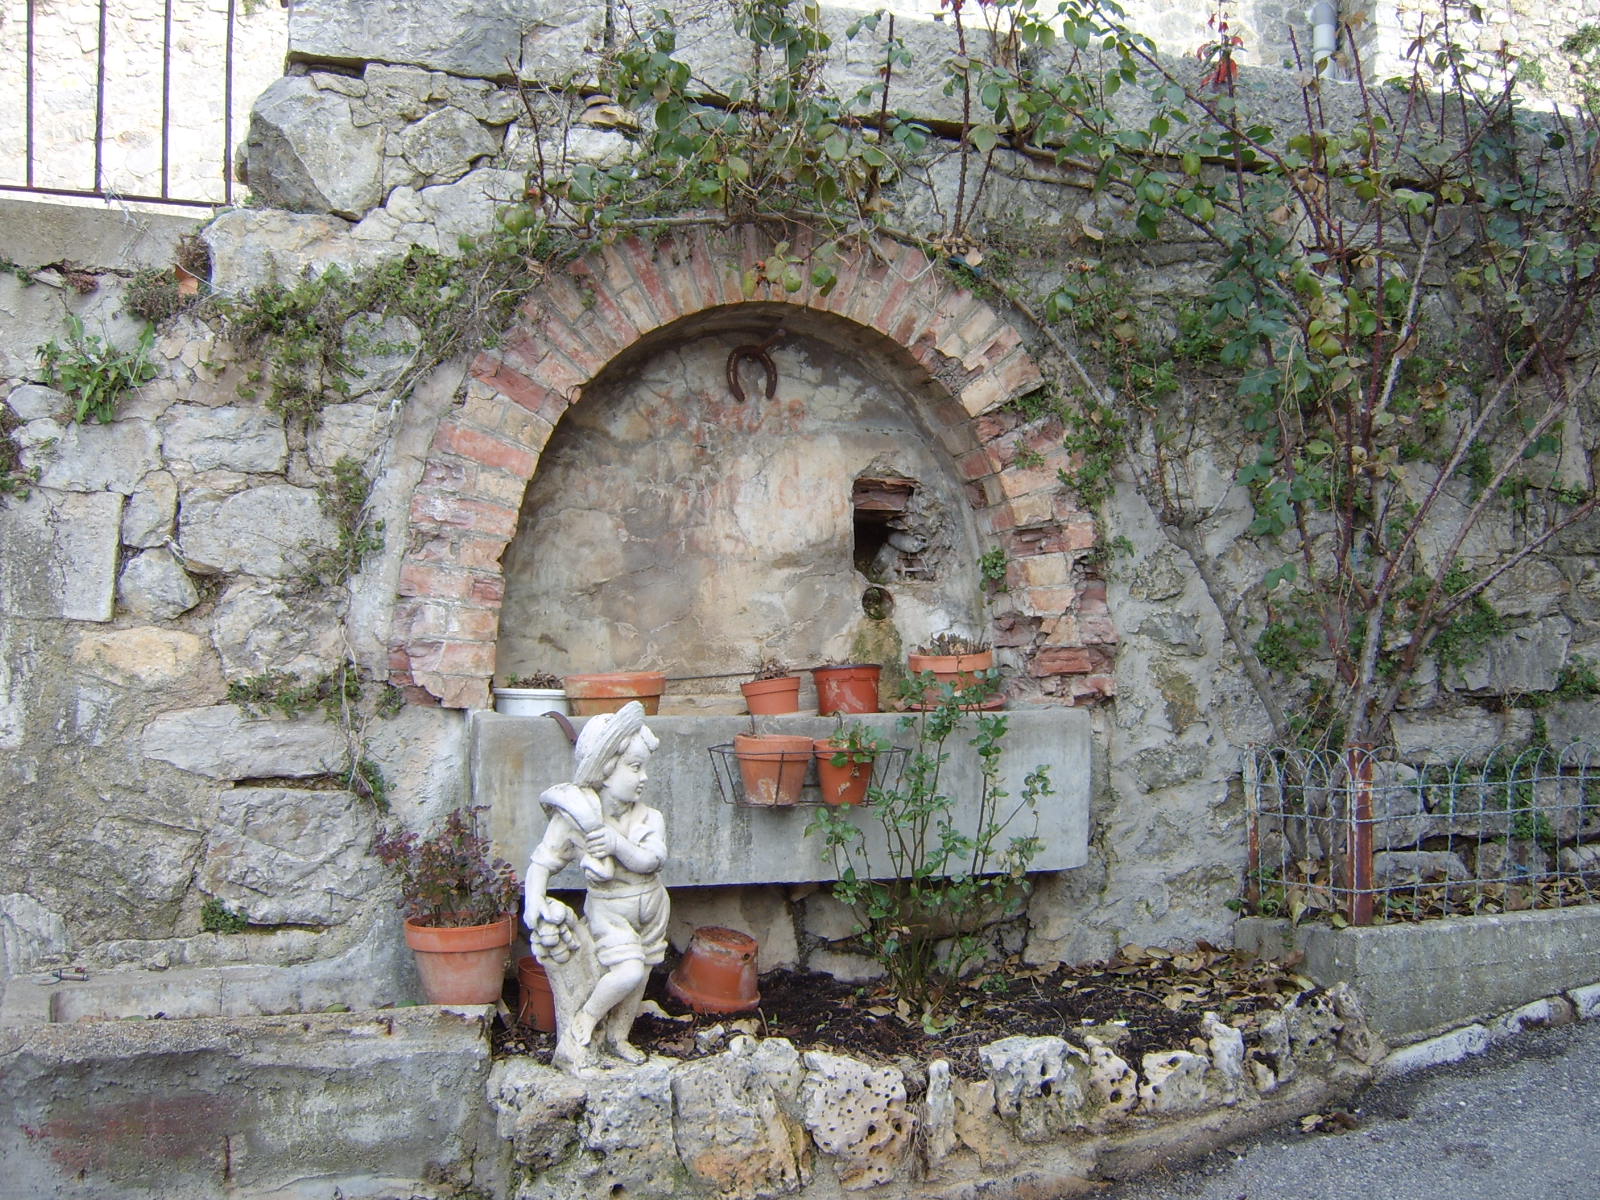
column 598, row 965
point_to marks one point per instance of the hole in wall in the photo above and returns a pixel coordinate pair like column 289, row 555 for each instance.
column 877, row 603
column 887, row 523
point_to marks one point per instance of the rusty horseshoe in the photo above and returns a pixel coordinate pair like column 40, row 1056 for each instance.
column 756, row 352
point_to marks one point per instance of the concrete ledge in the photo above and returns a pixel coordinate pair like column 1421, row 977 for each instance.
column 369, row 1103
column 712, row 842
column 35, row 233
column 1417, row 979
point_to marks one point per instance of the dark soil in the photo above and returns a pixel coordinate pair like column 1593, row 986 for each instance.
column 1144, row 1001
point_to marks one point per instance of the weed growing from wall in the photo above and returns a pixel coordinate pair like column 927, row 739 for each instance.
column 95, row 373
column 15, row 479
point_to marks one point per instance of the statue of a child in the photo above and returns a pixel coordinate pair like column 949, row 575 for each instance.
column 598, row 819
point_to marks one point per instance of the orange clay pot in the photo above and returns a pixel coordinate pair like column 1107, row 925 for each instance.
column 463, row 964
column 845, row 784
column 772, row 697
column 772, row 767
column 537, row 1006
column 718, row 972
column 609, row 691
column 852, row 688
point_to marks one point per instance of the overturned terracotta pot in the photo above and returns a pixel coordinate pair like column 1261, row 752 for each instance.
column 718, row 972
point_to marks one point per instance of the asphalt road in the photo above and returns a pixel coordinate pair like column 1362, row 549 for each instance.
column 1519, row 1123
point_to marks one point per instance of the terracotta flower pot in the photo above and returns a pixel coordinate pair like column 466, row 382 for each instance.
column 610, row 690
column 718, row 972
column 461, row 964
column 771, row 697
column 959, row 670
column 846, row 783
column 772, row 767
column 852, row 688
column 537, row 1006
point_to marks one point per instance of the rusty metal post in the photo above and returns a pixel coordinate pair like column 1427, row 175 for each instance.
column 1358, row 834
column 1252, row 803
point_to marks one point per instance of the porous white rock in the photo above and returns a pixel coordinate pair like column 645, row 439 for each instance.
column 536, row 1108
column 627, row 1130
column 1114, row 1084
column 937, row 1129
column 732, row 1133
column 1039, row 1084
column 857, row 1115
column 1226, row 1045
column 1174, row 1082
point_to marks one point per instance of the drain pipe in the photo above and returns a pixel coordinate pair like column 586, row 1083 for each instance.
column 1324, row 35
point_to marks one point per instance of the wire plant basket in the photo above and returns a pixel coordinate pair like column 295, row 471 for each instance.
column 733, row 785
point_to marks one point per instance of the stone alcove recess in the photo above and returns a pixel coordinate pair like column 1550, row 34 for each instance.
column 1051, row 621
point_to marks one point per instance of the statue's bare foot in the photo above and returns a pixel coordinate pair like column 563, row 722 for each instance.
column 627, row 1052
column 582, row 1027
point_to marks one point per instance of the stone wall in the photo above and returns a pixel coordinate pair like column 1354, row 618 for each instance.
column 161, row 556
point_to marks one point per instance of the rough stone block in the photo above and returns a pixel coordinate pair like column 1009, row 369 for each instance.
column 222, row 742
column 223, row 439
column 255, row 629
column 147, row 656
column 1528, row 659
column 262, row 531
column 154, row 584
column 34, row 402
column 305, row 153
column 442, row 146
column 95, row 457
column 96, row 1098
column 148, row 515
column 260, row 247
column 476, row 41
column 289, row 856
column 60, row 557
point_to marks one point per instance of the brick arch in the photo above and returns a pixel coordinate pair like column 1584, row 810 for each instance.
column 465, row 509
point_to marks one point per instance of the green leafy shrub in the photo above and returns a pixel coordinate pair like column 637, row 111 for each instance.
column 911, row 905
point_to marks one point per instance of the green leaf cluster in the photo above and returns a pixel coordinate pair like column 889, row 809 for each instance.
column 95, row 373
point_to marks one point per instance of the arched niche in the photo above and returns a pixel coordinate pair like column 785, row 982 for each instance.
column 674, row 526
column 949, row 360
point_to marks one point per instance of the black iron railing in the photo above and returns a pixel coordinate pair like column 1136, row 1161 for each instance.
column 56, row 163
